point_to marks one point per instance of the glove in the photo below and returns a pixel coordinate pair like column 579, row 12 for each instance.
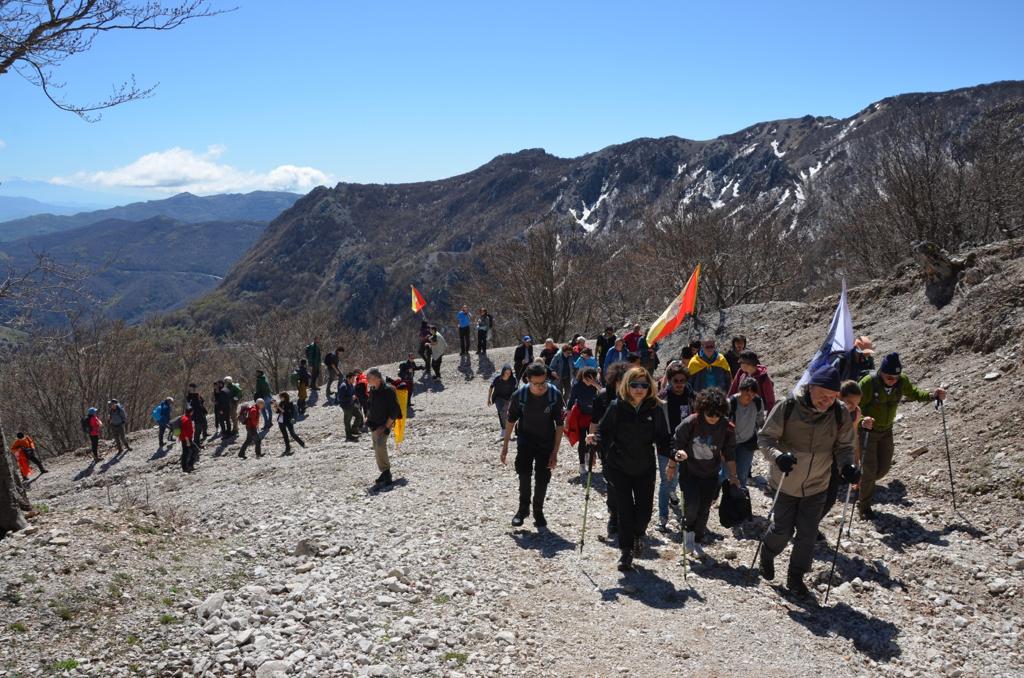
column 785, row 461
column 850, row 474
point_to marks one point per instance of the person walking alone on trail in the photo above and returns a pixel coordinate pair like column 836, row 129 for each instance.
column 384, row 412
column 604, row 342
column 464, row 320
column 601, row 404
column 736, row 348
column 117, row 419
column 332, row 361
column 93, row 427
column 24, row 450
column 803, row 435
column 198, row 405
column 162, row 417
column 249, row 415
column 189, row 450
column 703, row 441
column 536, row 414
column 750, row 367
column 677, row 399
column 881, row 395
column 582, row 397
column 302, row 380
column 314, row 358
column 503, row 387
column 484, row 325
column 264, row 393
column 438, row 347
column 353, row 412
column 522, row 357
column 747, row 414
column 285, row 410
column 633, row 432
column 222, row 411
column 709, row 369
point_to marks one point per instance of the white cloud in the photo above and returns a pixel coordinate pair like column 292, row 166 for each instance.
column 181, row 169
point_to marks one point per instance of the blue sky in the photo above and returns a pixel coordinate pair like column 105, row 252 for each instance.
column 289, row 94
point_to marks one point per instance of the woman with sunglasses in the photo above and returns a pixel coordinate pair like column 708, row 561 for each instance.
column 632, row 428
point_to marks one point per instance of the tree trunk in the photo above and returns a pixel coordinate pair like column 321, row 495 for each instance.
column 13, row 499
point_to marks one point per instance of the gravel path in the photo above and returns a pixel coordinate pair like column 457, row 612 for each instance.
column 292, row 565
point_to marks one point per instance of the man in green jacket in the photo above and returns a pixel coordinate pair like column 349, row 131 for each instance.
column 263, row 391
column 314, row 356
column 881, row 394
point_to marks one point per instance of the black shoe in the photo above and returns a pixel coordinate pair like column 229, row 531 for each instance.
column 674, row 501
column 796, row 587
column 868, row 513
column 287, row 453
column 379, row 479
column 538, row 518
column 820, row 536
column 387, row 478
column 625, row 561
column 258, row 455
column 767, row 565
column 42, row 471
column 351, row 439
column 242, row 456
column 519, row 518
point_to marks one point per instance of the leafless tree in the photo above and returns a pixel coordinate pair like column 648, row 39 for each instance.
column 995, row 149
column 37, row 37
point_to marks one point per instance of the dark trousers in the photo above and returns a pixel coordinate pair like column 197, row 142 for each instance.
column 314, row 376
column 252, row 437
column 285, row 430
column 464, row 340
column 220, row 421
column 481, row 341
column 201, row 427
column 30, row 454
column 832, row 493
column 353, row 420
column 634, row 502
column 331, row 375
column 532, row 457
column 698, row 496
column 799, row 515
column 163, row 430
column 426, row 353
column 583, row 449
column 876, row 460
column 94, row 441
column 436, row 364
column 189, row 455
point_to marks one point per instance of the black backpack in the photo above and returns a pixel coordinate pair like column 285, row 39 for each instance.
column 734, row 509
column 85, row 425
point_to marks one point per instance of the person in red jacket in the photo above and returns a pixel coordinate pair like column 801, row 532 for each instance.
column 250, row 416
column 24, row 448
column 189, row 451
column 93, row 427
column 632, row 340
column 750, row 367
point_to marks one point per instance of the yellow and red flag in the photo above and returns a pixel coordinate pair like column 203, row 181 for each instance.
column 418, row 302
column 681, row 306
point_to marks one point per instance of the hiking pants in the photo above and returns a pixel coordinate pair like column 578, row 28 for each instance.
column 800, row 515
column 380, row 448
column 744, row 462
column 220, row 421
column 202, row 428
column 436, row 364
column 252, row 437
column 666, row 488
column 698, row 496
column 94, row 441
column 464, row 340
column 532, row 457
column 314, row 376
column 481, row 341
column 268, row 412
column 163, row 430
column 501, row 405
column 332, row 374
column 634, row 501
column 876, row 460
column 583, row 449
column 353, row 420
column 120, row 439
column 832, row 493
column 30, row 454
column 189, row 455
column 285, row 430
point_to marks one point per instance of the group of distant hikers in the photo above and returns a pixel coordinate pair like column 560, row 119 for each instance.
column 696, row 428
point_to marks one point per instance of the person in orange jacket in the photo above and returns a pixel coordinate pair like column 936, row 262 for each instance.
column 24, row 449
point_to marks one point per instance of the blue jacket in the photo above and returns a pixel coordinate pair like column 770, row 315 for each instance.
column 615, row 356
column 345, row 395
column 464, row 319
column 164, row 413
column 562, row 366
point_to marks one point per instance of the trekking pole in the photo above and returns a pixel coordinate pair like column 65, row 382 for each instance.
column 949, row 461
column 771, row 521
column 682, row 502
column 835, row 554
column 863, row 446
column 586, row 499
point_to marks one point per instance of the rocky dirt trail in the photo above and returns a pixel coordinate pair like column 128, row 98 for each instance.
column 292, row 566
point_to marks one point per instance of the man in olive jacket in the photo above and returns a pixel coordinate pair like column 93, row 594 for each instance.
column 800, row 439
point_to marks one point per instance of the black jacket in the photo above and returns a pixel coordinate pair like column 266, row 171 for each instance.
column 631, row 436
column 522, row 357
column 383, row 406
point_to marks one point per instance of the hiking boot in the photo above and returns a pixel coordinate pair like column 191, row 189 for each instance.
column 241, row 455
column 379, row 479
column 796, row 586
column 625, row 562
column 519, row 518
column 868, row 513
column 259, row 454
column 674, row 500
column 386, row 478
column 820, row 536
column 663, row 526
column 287, row 453
column 539, row 520
column 767, row 565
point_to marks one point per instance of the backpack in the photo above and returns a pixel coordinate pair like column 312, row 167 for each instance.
column 243, row 414
column 791, row 403
column 734, row 508
column 156, row 413
column 85, row 425
column 554, row 395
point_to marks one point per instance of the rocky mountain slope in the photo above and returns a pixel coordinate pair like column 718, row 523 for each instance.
column 260, row 206
column 292, row 566
column 358, row 247
column 137, row 268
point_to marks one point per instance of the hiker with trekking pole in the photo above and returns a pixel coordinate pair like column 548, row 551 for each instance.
column 803, row 435
column 881, row 394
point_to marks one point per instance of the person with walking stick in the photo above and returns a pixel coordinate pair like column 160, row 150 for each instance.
column 803, row 435
column 881, row 394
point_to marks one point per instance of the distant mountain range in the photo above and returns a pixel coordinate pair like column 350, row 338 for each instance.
column 256, row 206
column 16, row 207
column 357, row 247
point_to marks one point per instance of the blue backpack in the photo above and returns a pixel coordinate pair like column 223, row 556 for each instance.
column 554, row 395
column 156, row 413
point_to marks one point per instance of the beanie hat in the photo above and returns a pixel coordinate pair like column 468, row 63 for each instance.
column 826, row 377
column 527, row 338
column 891, row 364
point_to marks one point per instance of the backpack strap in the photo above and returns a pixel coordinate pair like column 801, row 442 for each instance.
column 732, row 406
column 787, row 410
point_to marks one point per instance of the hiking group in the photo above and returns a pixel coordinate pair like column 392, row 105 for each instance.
column 693, row 434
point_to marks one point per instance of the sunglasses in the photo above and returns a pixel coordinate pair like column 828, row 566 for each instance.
column 639, row 385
